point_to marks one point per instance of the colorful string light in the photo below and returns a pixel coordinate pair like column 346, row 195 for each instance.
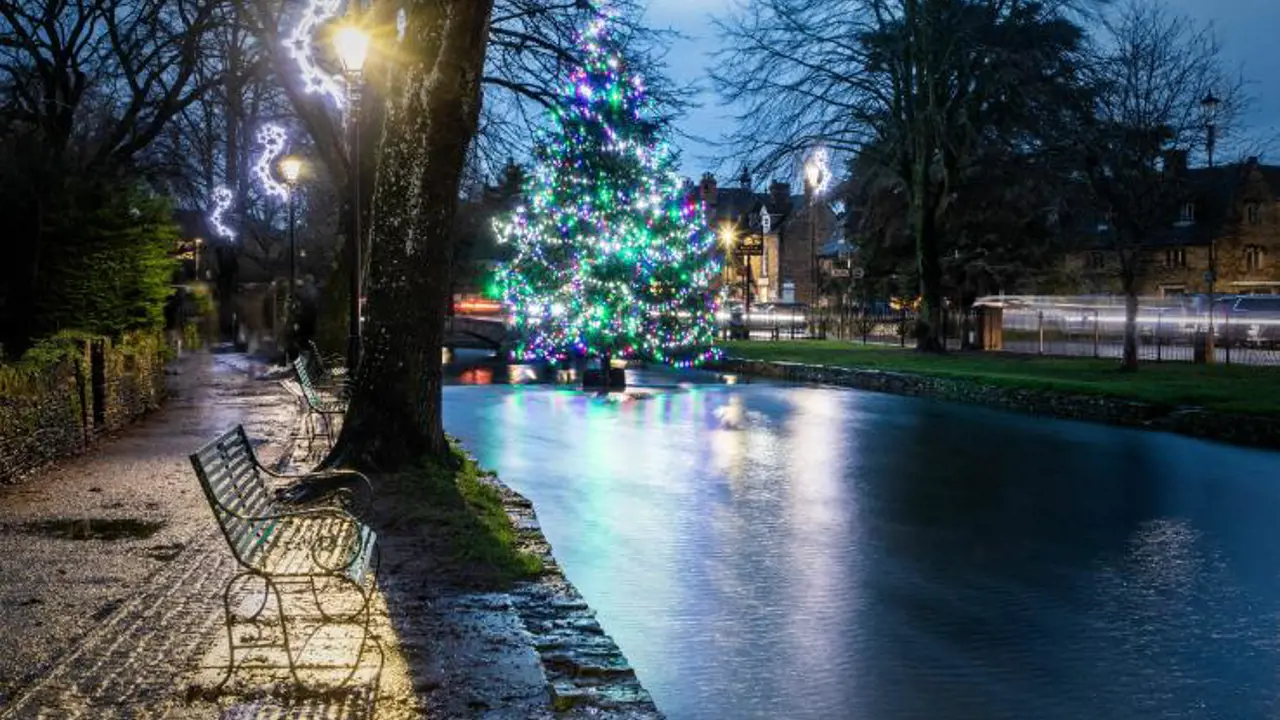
column 272, row 139
column 610, row 255
column 300, row 46
column 222, row 198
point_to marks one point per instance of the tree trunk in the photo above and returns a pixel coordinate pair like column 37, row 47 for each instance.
column 929, row 326
column 1129, row 362
column 432, row 111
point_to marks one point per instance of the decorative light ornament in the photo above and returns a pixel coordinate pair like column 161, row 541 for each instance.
column 300, row 47
column 272, row 139
column 818, row 170
column 222, row 199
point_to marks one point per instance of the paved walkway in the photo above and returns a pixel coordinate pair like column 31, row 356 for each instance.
column 113, row 573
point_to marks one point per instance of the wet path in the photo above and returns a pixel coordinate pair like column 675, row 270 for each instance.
column 111, row 563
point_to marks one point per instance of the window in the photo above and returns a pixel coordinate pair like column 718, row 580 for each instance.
column 1188, row 213
column 1253, row 214
column 1096, row 261
column 1175, row 258
column 1253, row 257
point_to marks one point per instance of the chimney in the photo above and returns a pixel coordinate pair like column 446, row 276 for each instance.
column 707, row 189
column 780, row 196
column 1175, row 163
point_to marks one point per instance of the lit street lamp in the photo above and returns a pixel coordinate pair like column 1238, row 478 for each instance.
column 815, row 172
column 352, row 45
column 728, row 236
column 291, row 170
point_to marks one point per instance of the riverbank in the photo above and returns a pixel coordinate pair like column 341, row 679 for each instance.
column 1233, row 404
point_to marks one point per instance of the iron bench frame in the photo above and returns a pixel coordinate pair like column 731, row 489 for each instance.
column 318, row 411
column 256, row 525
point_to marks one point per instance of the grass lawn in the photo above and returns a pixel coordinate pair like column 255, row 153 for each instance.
column 1227, row 388
column 460, row 521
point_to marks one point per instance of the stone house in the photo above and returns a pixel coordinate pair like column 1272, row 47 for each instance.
column 788, row 229
column 1231, row 210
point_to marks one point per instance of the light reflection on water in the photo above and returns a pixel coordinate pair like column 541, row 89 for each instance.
column 766, row 551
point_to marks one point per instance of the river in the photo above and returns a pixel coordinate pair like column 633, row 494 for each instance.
column 779, row 551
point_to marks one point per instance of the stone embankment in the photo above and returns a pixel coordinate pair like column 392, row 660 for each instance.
column 1251, row 430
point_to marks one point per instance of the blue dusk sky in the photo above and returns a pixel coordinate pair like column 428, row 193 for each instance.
column 1248, row 29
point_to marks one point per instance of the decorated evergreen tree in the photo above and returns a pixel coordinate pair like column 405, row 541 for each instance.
column 610, row 257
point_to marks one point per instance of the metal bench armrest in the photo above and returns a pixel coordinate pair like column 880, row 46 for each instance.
column 320, row 513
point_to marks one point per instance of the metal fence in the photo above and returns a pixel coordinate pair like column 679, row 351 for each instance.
column 1165, row 334
column 1168, row 331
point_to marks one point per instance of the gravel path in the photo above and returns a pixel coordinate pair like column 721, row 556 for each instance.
column 113, row 573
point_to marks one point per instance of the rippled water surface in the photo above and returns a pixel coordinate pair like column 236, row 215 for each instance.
column 769, row 551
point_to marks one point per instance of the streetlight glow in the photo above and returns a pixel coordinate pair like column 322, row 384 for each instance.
column 352, row 44
column 728, row 234
column 291, row 169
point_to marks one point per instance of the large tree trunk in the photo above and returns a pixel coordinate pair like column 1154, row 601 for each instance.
column 1129, row 362
column 433, row 108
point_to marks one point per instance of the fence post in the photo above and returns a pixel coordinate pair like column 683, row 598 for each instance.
column 902, row 336
column 98, row 380
column 1040, row 329
column 1097, row 335
column 1226, row 333
column 1159, row 323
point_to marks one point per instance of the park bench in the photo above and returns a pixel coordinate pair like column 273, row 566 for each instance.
column 318, row 409
column 280, row 543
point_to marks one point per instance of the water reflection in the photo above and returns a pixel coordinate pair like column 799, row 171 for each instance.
column 764, row 552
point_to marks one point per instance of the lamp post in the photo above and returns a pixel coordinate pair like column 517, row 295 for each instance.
column 353, row 47
column 1209, row 107
column 815, row 172
column 728, row 235
column 291, row 170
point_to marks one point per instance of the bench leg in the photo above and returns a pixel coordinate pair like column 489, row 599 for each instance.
column 269, row 590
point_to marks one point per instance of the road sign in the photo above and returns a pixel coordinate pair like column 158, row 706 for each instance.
column 749, row 247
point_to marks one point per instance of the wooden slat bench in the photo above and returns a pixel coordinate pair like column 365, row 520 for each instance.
column 279, row 542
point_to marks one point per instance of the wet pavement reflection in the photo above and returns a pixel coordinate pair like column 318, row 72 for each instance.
column 770, row 551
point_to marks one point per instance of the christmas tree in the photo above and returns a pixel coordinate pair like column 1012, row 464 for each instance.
column 609, row 255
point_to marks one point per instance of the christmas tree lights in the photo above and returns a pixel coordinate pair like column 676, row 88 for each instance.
column 610, row 256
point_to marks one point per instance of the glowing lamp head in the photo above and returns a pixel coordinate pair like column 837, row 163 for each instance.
column 813, row 173
column 727, row 234
column 291, row 169
column 352, row 44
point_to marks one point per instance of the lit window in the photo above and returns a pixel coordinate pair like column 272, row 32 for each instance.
column 1188, row 213
column 1253, row 256
column 1175, row 258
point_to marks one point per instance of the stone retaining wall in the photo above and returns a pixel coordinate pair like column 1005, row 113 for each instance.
column 1239, row 429
column 53, row 413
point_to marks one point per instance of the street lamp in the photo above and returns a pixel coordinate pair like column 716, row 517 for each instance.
column 1209, row 108
column 815, row 172
column 291, row 170
column 352, row 45
column 729, row 236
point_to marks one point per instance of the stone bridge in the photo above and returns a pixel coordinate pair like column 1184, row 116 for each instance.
column 479, row 333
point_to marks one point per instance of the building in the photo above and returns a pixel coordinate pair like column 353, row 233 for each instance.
column 786, row 230
column 1230, row 211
